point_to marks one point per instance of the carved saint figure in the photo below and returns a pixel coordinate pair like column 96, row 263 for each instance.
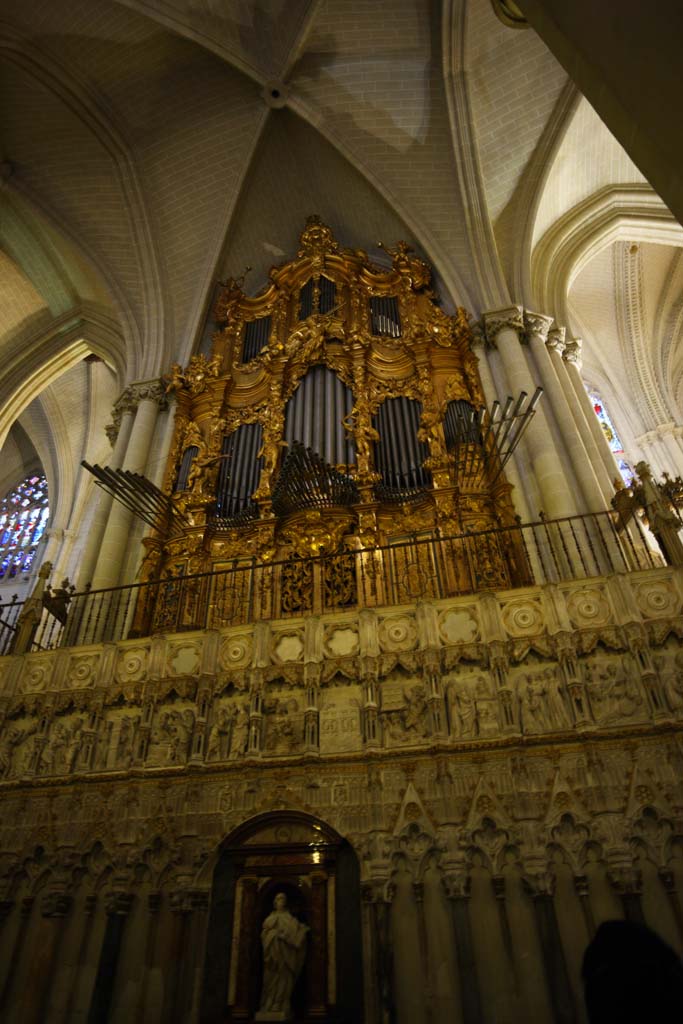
column 284, row 950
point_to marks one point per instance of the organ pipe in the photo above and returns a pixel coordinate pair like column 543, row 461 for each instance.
column 314, row 416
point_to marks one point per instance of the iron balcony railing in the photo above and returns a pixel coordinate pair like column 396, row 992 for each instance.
column 247, row 591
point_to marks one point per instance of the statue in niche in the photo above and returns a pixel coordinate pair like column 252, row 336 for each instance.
column 534, row 712
column 74, row 744
column 464, row 718
column 53, row 758
column 124, row 747
column 283, row 939
column 176, row 727
column 672, row 676
column 240, row 733
column 219, row 734
column 10, row 743
column 473, row 708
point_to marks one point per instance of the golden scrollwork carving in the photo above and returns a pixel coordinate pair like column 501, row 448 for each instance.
column 424, row 355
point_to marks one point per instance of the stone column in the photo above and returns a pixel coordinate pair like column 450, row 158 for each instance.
column 557, row 975
column 124, row 412
column 118, row 907
column 572, row 361
column 54, row 909
column 247, row 930
column 537, row 332
column 377, row 960
column 504, row 330
column 190, row 907
column 519, row 497
column 408, row 979
column 148, row 397
column 458, row 891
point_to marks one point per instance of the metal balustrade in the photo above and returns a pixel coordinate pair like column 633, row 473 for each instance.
column 547, row 551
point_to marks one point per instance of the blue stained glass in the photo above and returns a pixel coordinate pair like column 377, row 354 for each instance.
column 24, row 513
column 613, row 439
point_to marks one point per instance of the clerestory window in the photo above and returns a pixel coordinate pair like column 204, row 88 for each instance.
column 24, row 513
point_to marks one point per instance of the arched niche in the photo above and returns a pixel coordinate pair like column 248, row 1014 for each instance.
column 317, row 869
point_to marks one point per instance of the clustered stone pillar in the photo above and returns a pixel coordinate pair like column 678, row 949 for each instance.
column 541, row 346
column 662, row 448
column 479, row 347
column 505, row 331
column 572, row 362
column 142, row 403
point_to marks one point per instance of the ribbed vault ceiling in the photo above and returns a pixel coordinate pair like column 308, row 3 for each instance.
column 146, row 157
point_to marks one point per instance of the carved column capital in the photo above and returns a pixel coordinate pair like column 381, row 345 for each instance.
column 118, row 902
column 149, row 391
column 129, row 399
column 572, row 352
column 478, row 337
column 498, row 320
column 538, row 324
column 556, row 339
column 184, row 901
column 457, row 885
column 55, row 904
column 376, row 891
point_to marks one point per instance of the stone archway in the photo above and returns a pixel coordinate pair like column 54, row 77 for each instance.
column 294, row 853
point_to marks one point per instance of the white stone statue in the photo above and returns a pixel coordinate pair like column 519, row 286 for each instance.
column 284, row 950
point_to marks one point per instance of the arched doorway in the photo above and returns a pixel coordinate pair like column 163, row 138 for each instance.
column 317, row 870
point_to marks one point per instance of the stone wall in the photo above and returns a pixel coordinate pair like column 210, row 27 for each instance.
column 508, row 768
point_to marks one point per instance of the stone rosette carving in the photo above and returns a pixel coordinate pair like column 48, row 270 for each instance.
column 522, row 618
column 132, row 664
column 397, row 633
column 657, row 599
column 236, row 651
column 81, row 670
column 589, row 607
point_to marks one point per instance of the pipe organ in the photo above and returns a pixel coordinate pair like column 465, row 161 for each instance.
column 335, row 412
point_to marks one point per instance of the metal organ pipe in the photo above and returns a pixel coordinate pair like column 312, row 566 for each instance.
column 184, row 471
column 314, row 413
column 239, row 474
column 398, row 453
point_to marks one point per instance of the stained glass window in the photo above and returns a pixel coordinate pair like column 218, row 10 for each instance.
column 610, row 433
column 24, row 513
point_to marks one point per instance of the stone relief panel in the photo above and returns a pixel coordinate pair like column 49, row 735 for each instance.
column 472, row 705
column 171, row 733
column 340, row 720
column 614, row 693
column 228, row 734
column 17, row 746
column 404, row 710
column 283, row 722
